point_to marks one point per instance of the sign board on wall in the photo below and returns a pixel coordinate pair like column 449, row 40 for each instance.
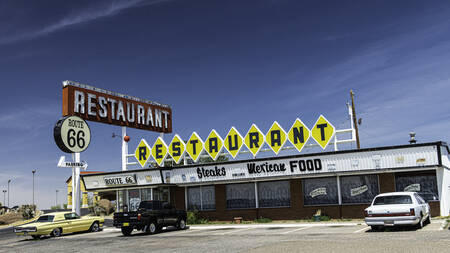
column 104, row 106
column 118, row 180
column 298, row 166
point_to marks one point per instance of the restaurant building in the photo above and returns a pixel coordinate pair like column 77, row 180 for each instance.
column 340, row 183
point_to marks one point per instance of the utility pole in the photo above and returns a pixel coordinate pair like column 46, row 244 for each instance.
column 355, row 123
column 57, row 197
column 33, row 171
column 9, row 181
column 4, row 197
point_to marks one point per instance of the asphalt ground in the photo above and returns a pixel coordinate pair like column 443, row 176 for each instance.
column 308, row 237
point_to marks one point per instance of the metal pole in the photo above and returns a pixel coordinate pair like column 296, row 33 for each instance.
column 354, row 120
column 9, row 181
column 124, row 149
column 56, row 198
column 4, row 197
column 33, row 171
column 74, row 196
column 77, row 185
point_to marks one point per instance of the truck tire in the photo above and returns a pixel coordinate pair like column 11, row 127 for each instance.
column 181, row 224
column 126, row 231
column 151, row 228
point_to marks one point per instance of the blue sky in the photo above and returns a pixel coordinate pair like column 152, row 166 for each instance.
column 218, row 64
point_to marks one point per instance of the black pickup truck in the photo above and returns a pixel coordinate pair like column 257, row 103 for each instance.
column 150, row 217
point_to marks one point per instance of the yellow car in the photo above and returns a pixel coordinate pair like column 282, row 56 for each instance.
column 56, row 224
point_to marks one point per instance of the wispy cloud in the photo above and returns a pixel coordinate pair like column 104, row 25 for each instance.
column 80, row 17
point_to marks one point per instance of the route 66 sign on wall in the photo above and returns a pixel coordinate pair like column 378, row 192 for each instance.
column 72, row 134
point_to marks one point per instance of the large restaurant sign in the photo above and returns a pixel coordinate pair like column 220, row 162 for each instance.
column 94, row 104
column 276, row 138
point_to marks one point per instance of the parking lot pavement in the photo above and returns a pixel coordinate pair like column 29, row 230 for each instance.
column 317, row 237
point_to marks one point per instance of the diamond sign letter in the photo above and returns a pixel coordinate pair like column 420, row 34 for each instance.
column 233, row 142
column 276, row 137
column 194, row 146
column 159, row 151
column 322, row 131
column 299, row 134
column 177, row 148
column 254, row 140
column 213, row 145
column 142, row 153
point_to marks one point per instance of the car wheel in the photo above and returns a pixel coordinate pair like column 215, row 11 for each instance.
column 152, row 228
column 56, row 232
column 428, row 221
column 375, row 228
column 420, row 224
column 181, row 224
column 94, row 227
column 126, row 231
column 36, row 237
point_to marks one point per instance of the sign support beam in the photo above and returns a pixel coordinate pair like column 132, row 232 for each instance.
column 76, row 191
column 124, row 149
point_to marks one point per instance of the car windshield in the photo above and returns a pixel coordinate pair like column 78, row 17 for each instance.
column 392, row 200
column 45, row 218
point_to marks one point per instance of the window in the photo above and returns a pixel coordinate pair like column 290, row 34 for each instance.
column 241, row 196
column 45, row 218
column 201, row 198
column 194, row 201
column 425, row 185
column 161, row 193
column 274, row 194
column 135, row 199
column 392, row 200
column 359, row 189
column 71, row 216
column 320, row 191
column 208, row 197
column 146, row 194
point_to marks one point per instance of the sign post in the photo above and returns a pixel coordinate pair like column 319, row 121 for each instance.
column 73, row 135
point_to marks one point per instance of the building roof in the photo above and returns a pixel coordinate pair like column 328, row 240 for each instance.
column 84, row 173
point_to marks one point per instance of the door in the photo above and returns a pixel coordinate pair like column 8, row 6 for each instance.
column 170, row 214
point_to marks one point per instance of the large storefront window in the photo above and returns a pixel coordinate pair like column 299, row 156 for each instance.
column 135, row 199
column 424, row 184
column 274, row 194
column 146, row 194
column 194, row 201
column 359, row 189
column 201, row 198
column 320, row 191
column 161, row 194
column 241, row 196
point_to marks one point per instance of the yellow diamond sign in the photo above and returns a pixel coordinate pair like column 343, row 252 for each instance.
column 142, row 153
column 299, row 134
column 254, row 140
column 233, row 142
column 177, row 148
column 276, row 137
column 322, row 131
column 213, row 144
column 194, row 146
column 159, row 151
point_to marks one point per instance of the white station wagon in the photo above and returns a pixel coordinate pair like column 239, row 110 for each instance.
column 396, row 209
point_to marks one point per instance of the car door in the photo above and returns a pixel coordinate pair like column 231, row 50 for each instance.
column 169, row 214
column 69, row 223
